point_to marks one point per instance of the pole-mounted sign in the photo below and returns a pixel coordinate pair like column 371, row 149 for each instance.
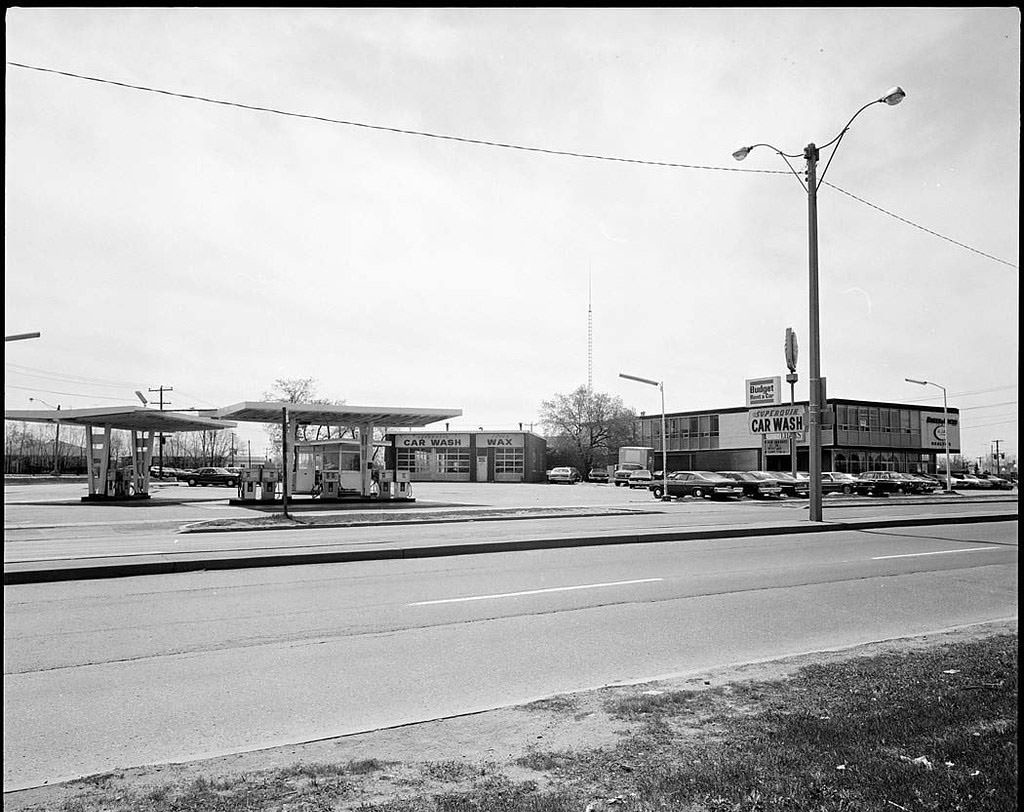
column 791, row 349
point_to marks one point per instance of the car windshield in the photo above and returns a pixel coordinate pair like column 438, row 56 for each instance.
column 709, row 475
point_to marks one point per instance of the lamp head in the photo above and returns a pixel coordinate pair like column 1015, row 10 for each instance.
column 912, row 380
column 741, row 153
column 894, row 95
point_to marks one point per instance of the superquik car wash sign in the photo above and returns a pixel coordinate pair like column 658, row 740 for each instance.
column 777, row 420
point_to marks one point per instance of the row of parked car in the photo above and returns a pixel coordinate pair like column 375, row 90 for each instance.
column 775, row 484
column 228, row 477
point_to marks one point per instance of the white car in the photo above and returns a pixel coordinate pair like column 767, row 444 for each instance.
column 570, row 476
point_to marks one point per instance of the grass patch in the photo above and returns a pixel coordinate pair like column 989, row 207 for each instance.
column 931, row 730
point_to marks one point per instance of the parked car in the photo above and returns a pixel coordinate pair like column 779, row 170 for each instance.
column 598, row 475
column 167, row 473
column 755, row 487
column 838, row 482
column 621, row 475
column 998, row 482
column 209, row 476
column 922, row 484
column 640, row 479
column 880, row 483
column 699, row 484
column 791, row 486
column 569, row 476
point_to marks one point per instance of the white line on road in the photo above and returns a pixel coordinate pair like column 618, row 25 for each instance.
column 535, row 592
column 936, row 552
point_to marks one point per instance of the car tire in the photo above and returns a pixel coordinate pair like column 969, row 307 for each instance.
column 698, row 493
column 192, row 483
column 847, row 490
column 658, row 492
column 231, row 483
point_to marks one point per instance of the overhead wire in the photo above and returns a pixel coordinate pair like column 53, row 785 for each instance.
column 481, row 142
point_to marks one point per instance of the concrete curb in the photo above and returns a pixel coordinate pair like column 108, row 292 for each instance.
column 165, row 565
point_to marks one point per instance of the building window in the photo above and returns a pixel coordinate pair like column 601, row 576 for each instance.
column 508, row 461
column 452, row 462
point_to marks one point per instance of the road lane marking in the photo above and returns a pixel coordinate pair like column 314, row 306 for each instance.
column 534, row 592
column 936, row 552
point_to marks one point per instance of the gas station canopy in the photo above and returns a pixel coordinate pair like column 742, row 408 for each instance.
column 128, row 418
column 325, row 414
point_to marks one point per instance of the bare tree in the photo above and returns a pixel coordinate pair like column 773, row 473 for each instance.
column 586, row 426
column 303, row 390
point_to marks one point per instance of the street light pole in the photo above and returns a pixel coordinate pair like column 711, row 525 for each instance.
column 814, row 351
column 945, row 423
column 811, row 155
column 664, row 438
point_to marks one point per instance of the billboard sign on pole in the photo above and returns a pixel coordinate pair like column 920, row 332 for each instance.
column 764, row 391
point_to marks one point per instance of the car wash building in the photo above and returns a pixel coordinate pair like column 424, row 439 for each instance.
column 471, row 456
column 856, row 436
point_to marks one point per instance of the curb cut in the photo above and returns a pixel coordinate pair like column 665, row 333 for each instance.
column 168, row 566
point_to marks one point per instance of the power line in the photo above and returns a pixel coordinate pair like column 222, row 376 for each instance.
column 399, row 130
column 987, row 405
column 18, row 369
column 915, row 225
column 963, row 394
column 55, row 392
column 482, row 142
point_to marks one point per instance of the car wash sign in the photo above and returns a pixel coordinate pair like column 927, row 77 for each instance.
column 778, row 420
column 425, row 441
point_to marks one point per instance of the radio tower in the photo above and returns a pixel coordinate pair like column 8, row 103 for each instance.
column 590, row 336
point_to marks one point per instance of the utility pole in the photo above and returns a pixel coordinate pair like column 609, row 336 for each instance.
column 160, row 441
column 998, row 465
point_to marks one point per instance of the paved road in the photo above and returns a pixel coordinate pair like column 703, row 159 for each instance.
column 101, row 674
column 43, row 531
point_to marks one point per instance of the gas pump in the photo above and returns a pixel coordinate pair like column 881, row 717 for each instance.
column 117, row 483
column 269, row 477
column 330, row 482
column 248, row 483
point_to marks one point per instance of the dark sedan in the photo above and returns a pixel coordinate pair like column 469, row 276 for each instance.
column 880, row 483
column 753, row 486
column 838, row 482
column 209, row 476
column 699, row 484
column 791, row 485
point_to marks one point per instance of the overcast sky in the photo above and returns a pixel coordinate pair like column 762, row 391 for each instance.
column 158, row 240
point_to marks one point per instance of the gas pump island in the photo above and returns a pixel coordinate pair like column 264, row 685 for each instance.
column 325, row 469
column 328, row 469
column 109, row 480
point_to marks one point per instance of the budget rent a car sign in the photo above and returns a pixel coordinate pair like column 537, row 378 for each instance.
column 764, row 391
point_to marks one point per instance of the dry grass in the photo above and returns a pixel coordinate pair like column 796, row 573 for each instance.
column 929, row 730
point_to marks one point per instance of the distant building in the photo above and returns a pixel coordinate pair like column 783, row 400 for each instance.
column 469, row 456
column 856, row 436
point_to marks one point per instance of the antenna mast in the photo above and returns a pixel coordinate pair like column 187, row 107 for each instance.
column 590, row 334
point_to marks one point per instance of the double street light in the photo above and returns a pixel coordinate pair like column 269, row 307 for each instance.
column 664, row 438
column 811, row 154
column 945, row 423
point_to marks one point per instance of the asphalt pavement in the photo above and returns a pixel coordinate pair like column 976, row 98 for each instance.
column 51, row 536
